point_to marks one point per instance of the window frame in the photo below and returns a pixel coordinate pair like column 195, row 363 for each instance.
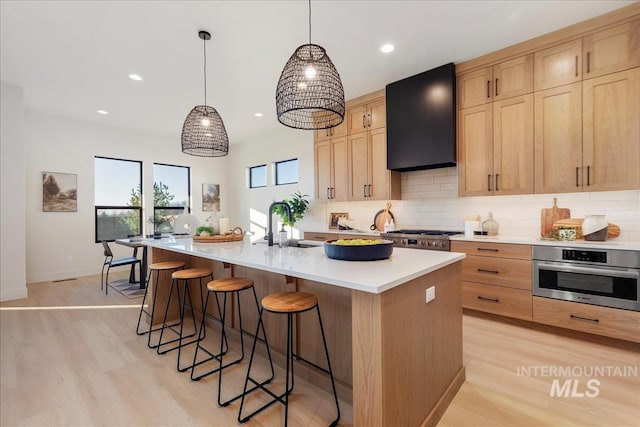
column 266, row 183
column 114, row 207
column 175, row 208
column 275, row 167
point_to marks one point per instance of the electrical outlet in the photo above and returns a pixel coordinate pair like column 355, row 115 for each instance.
column 431, row 294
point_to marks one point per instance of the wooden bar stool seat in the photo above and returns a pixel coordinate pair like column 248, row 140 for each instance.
column 176, row 277
column 288, row 303
column 227, row 286
column 157, row 267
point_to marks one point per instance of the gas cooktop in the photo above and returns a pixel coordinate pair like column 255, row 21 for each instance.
column 421, row 239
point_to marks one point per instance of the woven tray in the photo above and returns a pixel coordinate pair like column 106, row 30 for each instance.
column 235, row 236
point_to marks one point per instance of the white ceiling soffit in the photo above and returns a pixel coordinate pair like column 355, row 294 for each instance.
column 74, row 57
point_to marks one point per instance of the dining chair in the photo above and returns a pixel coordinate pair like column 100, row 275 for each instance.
column 110, row 261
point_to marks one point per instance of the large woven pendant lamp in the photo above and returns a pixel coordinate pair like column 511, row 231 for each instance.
column 203, row 132
column 309, row 93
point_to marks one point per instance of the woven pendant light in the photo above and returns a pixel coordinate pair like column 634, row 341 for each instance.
column 309, row 94
column 203, row 131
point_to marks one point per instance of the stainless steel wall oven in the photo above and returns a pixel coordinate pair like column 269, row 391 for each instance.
column 606, row 277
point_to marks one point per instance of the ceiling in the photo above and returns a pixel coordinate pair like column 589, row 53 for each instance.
column 73, row 57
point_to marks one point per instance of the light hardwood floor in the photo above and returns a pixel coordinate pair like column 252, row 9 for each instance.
column 71, row 357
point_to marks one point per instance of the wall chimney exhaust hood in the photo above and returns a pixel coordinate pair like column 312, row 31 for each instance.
column 421, row 120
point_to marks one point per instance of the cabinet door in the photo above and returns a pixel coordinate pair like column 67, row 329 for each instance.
column 320, row 135
column 612, row 50
column 558, row 139
column 474, row 88
column 475, row 151
column 357, row 119
column 340, row 130
column 513, row 145
column 513, row 78
column 558, row 65
column 378, row 172
column 358, row 162
column 611, row 131
column 340, row 169
column 323, row 170
column 377, row 114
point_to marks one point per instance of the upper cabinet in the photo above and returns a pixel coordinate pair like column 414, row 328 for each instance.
column 369, row 116
column 562, row 117
column 351, row 161
column 501, row 81
column 603, row 52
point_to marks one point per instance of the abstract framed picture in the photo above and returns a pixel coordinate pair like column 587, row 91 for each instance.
column 211, row 197
column 59, row 192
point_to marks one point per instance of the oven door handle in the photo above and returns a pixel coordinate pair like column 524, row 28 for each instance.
column 587, row 270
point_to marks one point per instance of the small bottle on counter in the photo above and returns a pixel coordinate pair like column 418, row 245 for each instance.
column 490, row 226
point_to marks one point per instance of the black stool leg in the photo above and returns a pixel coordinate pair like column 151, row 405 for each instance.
column 224, row 345
column 144, row 299
column 175, row 283
column 333, row 384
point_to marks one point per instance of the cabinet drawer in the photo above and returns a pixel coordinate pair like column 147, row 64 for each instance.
column 323, row 237
column 512, row 273
column 497, row 300
column 498, row 250
column 611, row 322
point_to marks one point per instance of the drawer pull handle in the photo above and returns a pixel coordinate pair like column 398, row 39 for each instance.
column 481, row 298
column 488, row 90
column 588, row 319
column 488, row 249
column 482, row 270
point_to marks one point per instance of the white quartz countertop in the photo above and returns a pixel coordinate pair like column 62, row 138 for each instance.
column 608, row 244
column 313, row 264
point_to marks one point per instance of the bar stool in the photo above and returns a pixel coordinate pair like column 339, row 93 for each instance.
column 227, row 286
column 176, row 277
column 288, row 303
column 158, row 267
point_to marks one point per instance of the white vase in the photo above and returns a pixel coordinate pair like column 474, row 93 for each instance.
column 595, row 227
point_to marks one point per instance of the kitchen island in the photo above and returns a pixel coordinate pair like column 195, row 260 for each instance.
column 398, row 356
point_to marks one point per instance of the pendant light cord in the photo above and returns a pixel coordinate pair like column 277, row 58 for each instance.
column 309, row 22
column 204, row 49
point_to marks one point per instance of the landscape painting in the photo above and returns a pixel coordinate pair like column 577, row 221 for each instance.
column 59, row 192
column 211, row 197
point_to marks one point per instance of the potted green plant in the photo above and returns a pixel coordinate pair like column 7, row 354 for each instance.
column 298, row 205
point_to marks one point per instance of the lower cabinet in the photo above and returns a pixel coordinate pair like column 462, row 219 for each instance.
column 497, row 300
column 496, row 278
column 611, row 322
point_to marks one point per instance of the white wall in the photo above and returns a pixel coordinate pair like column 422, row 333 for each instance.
column 61, row 245
column 12, row 194
column 250, row 206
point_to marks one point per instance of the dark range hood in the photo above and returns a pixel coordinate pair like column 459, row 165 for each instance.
column 421, row 120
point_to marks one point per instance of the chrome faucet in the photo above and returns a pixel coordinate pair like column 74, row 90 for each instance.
column 287, row 209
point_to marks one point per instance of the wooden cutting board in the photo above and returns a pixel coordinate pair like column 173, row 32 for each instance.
column 613, row 230
column 550, row 215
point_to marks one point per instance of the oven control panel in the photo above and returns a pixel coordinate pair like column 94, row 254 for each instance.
column 587, row 256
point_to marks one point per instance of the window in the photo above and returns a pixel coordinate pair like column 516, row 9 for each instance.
column 118, row 195
column 171, row 195
column 287, row 172
column 258, row 176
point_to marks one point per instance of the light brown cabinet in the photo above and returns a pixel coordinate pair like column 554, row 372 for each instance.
column 496, row 278
column 331, row 169
column 369, row 116
column 501, row 81
column 587, row 135
column 495, row 148
column 369, row 178
column 611, row 322
column 597, row 54
column 320, row 135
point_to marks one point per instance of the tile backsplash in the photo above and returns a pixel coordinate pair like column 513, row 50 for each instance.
column 430, row 200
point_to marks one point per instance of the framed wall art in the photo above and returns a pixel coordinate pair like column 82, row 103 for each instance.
column 334, row 217
column 211, row 197
column 59, row 192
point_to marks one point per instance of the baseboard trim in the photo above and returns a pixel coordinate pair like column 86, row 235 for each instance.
column 13, row 294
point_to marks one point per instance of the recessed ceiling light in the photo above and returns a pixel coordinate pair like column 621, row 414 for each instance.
column 135, row 77
column 258, row 114
column 386, row 48
column 103, row 112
